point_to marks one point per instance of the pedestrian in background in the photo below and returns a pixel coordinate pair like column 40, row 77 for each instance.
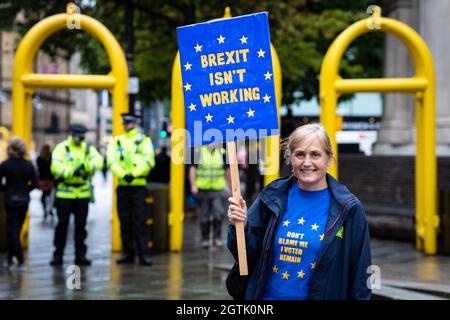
column 209, row 182
column 161, row 172
column 74, row 163
column 45, row 179
column 18, row 178
column 131, row 157
column 306, row 235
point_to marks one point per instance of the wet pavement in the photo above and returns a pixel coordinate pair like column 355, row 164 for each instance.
column 194, row 274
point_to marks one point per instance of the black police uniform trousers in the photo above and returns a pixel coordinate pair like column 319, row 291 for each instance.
column 133, row 215
column 64, row 207
column 15, row 217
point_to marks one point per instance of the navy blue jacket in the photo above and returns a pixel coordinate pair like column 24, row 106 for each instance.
column 341, row 268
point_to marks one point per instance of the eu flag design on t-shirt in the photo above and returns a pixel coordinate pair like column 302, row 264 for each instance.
column 297, row 242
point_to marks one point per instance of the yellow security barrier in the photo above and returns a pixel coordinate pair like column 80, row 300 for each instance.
column 178, row 143
column 272, row 150
column 4, row 137
column 422, row 85
column 25, row 82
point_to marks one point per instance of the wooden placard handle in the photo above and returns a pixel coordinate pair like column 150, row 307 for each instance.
column 236, row 191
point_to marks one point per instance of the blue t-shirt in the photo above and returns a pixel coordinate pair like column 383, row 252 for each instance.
column 297, row 242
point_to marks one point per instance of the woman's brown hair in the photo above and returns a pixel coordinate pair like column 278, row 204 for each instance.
column 17, row 147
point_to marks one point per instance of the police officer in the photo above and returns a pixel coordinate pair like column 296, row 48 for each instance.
column 209, row 179
column 130, row 158
column 73, row 165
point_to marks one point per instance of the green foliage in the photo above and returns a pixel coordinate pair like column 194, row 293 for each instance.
column 301, row 32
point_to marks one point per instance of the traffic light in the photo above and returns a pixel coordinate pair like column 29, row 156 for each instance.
column 163, row 133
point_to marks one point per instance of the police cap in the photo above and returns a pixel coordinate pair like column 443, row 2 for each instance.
column 129, row 117
column 77, row 128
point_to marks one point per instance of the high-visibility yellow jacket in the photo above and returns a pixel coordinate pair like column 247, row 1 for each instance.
column 210, row 173
column 66, row 158
column 131, row 153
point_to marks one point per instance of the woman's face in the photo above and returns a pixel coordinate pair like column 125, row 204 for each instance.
column 309, row 165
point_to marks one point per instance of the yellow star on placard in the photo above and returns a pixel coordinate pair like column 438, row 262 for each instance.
column 230, row 119
column 266, row 98
column 300, row 274
column 275, row 269
column 192, row 107
column 286, row 275
column 221, row 39
column 187, row 66
column 301, row 221
column 314, row 227
column 313, row 265
column 286, row 223
column 261, row 53
column 250, row 112
column 322, row 236
column 208, row 118
column 198, row 48
column 187, row 86
column 268, row 75
column 243, row 39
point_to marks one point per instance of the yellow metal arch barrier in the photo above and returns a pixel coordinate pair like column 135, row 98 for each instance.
column 178, row 143
column 4, row 137
column 25, row 82
column 422, row 85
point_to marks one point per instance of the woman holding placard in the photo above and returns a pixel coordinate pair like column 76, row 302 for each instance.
column 306, row 235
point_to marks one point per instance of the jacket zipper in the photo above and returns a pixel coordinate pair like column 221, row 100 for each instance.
column 329, row 229
column 339, row 216
column 269, row 236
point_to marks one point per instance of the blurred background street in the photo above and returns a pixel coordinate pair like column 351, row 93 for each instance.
column 392, row 134
column 192, row 274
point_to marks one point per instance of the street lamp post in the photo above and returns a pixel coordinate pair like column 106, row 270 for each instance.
column 129, row 53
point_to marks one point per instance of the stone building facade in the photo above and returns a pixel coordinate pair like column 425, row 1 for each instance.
column 397, row 135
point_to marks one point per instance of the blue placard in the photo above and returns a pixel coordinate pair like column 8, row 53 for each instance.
column 227, row 79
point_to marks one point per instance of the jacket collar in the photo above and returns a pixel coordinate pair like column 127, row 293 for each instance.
column 275, row 195
column 132, row 133
column 72, row 144
column 338, row 191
